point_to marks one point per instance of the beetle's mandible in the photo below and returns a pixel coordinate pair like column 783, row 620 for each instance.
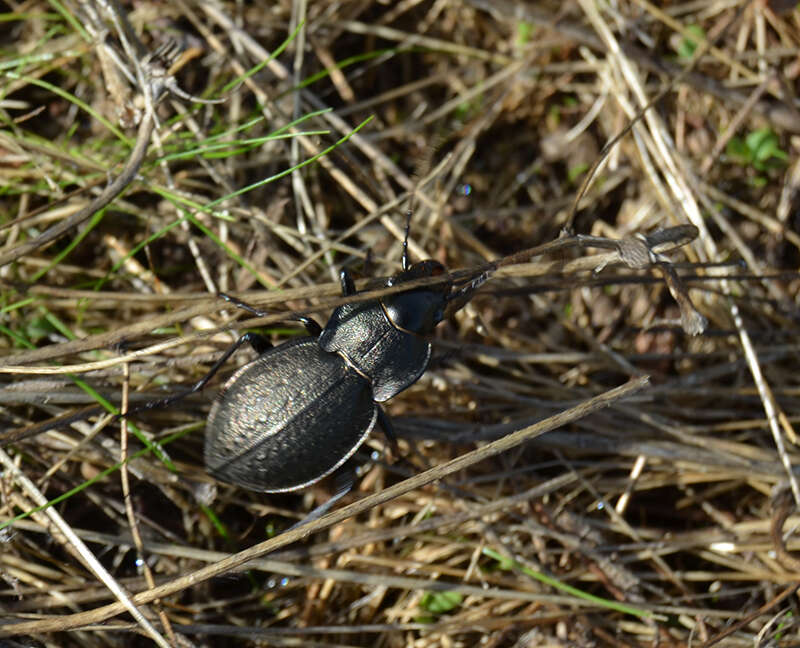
column 299, row 410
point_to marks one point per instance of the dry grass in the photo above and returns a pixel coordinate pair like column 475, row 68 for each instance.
column 661, row 502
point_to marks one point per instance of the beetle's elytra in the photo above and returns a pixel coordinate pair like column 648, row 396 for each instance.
column 288, row 418
column 297, row 412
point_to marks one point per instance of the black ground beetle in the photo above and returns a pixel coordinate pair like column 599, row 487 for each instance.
column 301, row 409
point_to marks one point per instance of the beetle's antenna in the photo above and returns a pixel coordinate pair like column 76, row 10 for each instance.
column 419, row 178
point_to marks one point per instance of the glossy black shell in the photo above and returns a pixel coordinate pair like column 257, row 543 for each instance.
column 300, row 410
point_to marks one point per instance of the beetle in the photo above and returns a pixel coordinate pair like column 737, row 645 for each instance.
column 300, row 410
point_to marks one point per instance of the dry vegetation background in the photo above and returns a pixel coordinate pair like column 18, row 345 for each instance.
column 662, row 502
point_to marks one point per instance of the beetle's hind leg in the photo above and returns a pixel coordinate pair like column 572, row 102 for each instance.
column 400, row 459
column 311, row 325
column 258, row 342
column 344, row 479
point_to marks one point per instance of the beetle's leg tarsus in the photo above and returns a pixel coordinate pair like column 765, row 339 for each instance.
column 367, row 268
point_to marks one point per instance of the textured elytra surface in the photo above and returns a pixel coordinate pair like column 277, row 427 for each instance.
column 288, row 418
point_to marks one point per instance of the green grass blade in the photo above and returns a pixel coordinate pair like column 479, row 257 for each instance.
column 510, row 563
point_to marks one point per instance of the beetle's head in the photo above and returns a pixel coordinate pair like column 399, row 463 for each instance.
column 418, row 310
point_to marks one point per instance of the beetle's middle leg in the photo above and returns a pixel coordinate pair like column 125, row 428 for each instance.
column 311, row 325
column 258, row 342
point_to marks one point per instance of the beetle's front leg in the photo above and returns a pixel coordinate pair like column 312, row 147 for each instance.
column 258, row 342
